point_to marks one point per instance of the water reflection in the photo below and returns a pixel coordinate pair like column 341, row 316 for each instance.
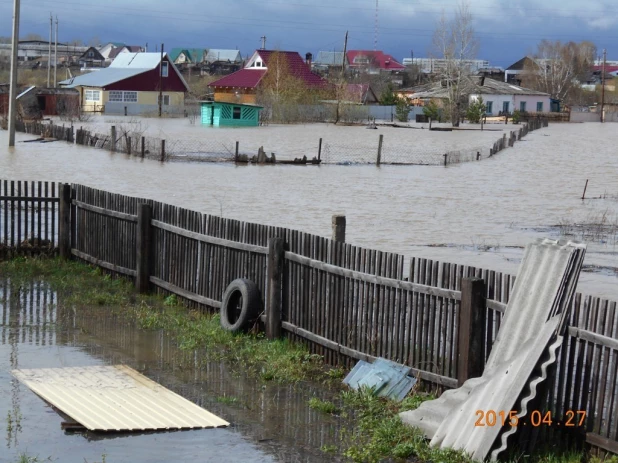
column 38, row 330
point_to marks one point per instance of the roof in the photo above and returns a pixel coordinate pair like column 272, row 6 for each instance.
column 115, row 398
column 217, row 54
column 489, row 87
column 119, row 50
column 521, row 64
column 224, row 103
column 329, row 58
column 195, row 55
column 124, row 66
column 97, row 54
column 363, row 91
column 251, row 77
column 375, row 59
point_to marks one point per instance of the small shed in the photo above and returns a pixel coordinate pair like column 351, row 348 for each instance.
column 222, row 114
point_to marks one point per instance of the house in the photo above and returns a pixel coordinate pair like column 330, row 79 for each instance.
column 223, row 114
column 113, row 54
column 218, row 61
column 37, row 102
column 361, row 93
column 241, row 86
column 438, row 65
column 187, row 56
column 92, row 58
column 106, row 49
column 132, row 84
column 373, row 62
column 327, row 61
column 511, row 74
column 499, row 97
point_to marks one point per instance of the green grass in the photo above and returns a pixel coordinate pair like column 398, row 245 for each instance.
column 323, row 406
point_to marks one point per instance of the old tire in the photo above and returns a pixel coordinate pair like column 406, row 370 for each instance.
column 240, row 306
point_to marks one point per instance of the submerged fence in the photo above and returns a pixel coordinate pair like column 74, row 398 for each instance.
column 131, row 140
column 344, row 301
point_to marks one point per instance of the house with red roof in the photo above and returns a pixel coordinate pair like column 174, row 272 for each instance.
column 242, row 86
column 373, row 61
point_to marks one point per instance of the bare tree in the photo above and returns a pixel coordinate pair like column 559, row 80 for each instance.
column 559, row 68
column 455, row 42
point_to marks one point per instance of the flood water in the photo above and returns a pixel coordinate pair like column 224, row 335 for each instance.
column 270, row 423
column 478, row 213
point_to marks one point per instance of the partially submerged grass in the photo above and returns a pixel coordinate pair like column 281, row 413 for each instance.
column 81, row 286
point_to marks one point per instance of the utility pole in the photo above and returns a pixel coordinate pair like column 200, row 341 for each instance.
column 345, row 49
column 56, row 54
column 375, row 39
column 603, row 86
column 49, row 50
column 13, row 86
column 161, row 82
column 263, row 42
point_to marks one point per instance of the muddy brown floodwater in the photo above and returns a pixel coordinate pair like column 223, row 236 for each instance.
column 477, row 213
column 270, row 423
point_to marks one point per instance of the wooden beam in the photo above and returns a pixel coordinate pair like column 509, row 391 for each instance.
column 602, row 442
column 390, row 282
column 186, row 294
column 102, row 263
column 107, row 212
column 595, row 338
column 274, row 280
column 210, row 239
column 471, row 333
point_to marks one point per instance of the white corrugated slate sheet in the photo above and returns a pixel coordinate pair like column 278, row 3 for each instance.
column 115, row 398
column 526, row 345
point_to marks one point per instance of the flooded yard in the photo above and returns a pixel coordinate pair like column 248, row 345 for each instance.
column 477, row 213
column 37, row 330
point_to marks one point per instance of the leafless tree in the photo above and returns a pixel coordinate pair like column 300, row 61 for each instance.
column 559, row 68
column 455, row 42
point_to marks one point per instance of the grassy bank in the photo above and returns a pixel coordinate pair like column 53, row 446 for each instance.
column 371, row 428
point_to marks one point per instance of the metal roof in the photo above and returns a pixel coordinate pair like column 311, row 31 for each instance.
column 215, row 54
column 115, row 398
column 105, row 76
column 529, row 337
column 138, row 60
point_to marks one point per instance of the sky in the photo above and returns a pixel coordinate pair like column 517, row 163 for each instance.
column 506, row 30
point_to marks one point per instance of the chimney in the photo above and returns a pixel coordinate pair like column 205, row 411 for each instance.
column 308, row 58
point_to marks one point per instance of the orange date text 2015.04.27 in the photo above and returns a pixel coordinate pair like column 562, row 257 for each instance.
column 509, row 418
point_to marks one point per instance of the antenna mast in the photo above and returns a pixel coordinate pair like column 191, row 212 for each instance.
column 375, row 38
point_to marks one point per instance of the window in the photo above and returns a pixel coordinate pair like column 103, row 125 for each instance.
column 129, row 97
column 522, row 106
column 115, row 95
column 539, row 107
column 166, row 100
column 489, row 107
column 92, row 95
column 505, row 107
column 90, row 54
column 164, row 69
column 236, row 112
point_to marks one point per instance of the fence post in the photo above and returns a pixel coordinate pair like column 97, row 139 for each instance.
column 64, row 222
column 478, row 155
column 144, row 236
column 339, row 228
column 445, row 158
column 237, row 151
column 275, row 284
column 143, row 146
column 320, row 149
column 113, row 138
column 379, row 158
column 128, row 145
column 471, row 333
column 162, row 150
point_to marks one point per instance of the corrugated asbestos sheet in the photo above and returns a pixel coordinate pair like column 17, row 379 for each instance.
column 115, row 398
column 526, row 345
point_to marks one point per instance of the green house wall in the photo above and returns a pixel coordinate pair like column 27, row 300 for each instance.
column 224, row 115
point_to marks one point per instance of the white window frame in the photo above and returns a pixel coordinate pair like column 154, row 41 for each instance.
column 129, row 97
column 89, row 95
column 166, row 100
column 165, row 69
column 115, row 96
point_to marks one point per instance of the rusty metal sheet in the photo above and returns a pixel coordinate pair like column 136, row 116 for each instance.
column 115, row 398
column 529, row 336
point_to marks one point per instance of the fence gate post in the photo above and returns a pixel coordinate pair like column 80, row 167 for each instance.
column 162, row 150
column 144, row 237
column 379, row 158
column 143, row 146
column 275, row 286
column 320, row 150
column 471, row 333
column 64, row 221
column 113, row 138
column 339, row 228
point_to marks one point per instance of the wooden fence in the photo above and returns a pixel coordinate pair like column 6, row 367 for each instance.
column 345, row 302
column 51, row 130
